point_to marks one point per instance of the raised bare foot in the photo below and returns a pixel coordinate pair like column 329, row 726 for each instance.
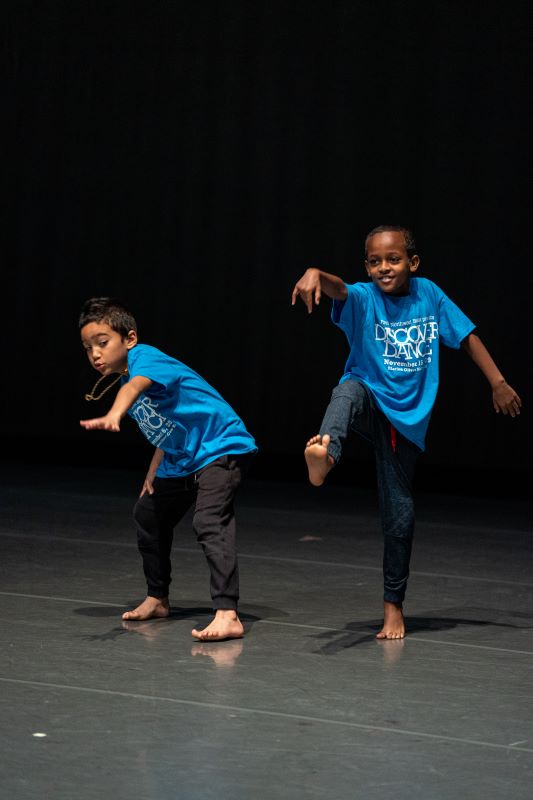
column 393, row 622
column 149, row 608
column 319, row 462
column 226, row 625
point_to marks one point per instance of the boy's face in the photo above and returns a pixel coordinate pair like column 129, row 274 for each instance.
column 388, row 264
column 107, row 350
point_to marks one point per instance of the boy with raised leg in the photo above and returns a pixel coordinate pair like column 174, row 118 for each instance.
column 201, row 450
column 394, row 325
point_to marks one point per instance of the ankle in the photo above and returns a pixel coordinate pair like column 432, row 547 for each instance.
column 229, row 613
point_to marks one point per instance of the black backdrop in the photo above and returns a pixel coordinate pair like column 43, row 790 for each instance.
column 193, row 158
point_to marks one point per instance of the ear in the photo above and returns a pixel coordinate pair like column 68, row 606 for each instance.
column 131, row 339
column 367, row 268
column 414, row 263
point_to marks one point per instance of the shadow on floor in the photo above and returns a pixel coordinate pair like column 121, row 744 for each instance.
column 355, row 634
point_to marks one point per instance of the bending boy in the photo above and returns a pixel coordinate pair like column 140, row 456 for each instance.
column 202, row 448
column 394, row 325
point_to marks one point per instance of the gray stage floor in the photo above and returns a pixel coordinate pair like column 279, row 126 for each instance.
column 309, row 704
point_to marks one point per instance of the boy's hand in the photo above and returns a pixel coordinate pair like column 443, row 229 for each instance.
column 506, row 400
column 111, row 422
column 148, row 485
column 309, row 288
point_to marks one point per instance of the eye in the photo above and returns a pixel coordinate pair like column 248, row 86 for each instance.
column 394, row 259
column 373, row 262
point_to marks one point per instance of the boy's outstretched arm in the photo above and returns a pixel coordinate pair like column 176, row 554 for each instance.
column 126, row 396
column 504, row 397
column 314, row 283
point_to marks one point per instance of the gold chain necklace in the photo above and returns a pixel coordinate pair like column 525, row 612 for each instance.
column 90, row 395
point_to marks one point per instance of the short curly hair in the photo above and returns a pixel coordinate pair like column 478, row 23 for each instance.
column 410, row 245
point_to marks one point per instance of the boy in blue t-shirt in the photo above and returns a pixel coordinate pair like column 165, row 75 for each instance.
column 201, row 450
column 394, row 325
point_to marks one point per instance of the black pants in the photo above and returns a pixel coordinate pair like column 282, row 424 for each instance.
column 213, row 491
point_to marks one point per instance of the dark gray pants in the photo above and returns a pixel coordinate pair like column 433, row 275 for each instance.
column 212, row 490
column 353, row 408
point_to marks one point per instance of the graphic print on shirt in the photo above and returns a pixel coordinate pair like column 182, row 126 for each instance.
column 406, row 346
column 153, row 425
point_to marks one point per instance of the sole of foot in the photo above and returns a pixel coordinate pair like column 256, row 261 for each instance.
column 319, row 462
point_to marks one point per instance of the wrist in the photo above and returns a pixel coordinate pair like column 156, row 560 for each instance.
column 495, row 383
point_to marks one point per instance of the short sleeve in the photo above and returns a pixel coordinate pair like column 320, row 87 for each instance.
column 151, row 363
column 454, row 325
column 346, row 313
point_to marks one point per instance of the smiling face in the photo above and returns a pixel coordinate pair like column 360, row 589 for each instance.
column 387, row 262
column 107, row 350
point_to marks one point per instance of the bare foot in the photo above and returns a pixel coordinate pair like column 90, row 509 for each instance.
column 319, row 462
column 393, row 622
column 149, row 608
column 226, row 625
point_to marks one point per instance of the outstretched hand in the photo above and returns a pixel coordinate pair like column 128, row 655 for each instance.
column 308, row 288
column 107, row 423
column 506, row 400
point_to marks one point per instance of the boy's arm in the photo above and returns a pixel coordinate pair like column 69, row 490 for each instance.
column 148, row 485
column 504, row 397
column 314, row 283
column 126, row 396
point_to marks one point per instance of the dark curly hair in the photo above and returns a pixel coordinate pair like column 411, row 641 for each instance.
column 110, row 311
column 410, row 245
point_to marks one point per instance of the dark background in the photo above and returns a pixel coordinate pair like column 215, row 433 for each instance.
column 193, row 158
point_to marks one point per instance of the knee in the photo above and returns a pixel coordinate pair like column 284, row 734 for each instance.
column 203, row 528
column 354, row 391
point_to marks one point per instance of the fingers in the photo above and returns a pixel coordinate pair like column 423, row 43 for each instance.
column 308, row 289
column 88, row 424
column 99, row 424
column 506, row 401
column 148, row 487
column 511, row 409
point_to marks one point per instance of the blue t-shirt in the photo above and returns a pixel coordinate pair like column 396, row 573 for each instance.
column 394, row 347
column 183, row 415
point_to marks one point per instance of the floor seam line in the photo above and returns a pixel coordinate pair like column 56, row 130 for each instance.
column 266, row 712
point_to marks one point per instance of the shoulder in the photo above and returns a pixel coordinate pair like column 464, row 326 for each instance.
column 145, row 354
column 142, row 351
column 425, row 288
